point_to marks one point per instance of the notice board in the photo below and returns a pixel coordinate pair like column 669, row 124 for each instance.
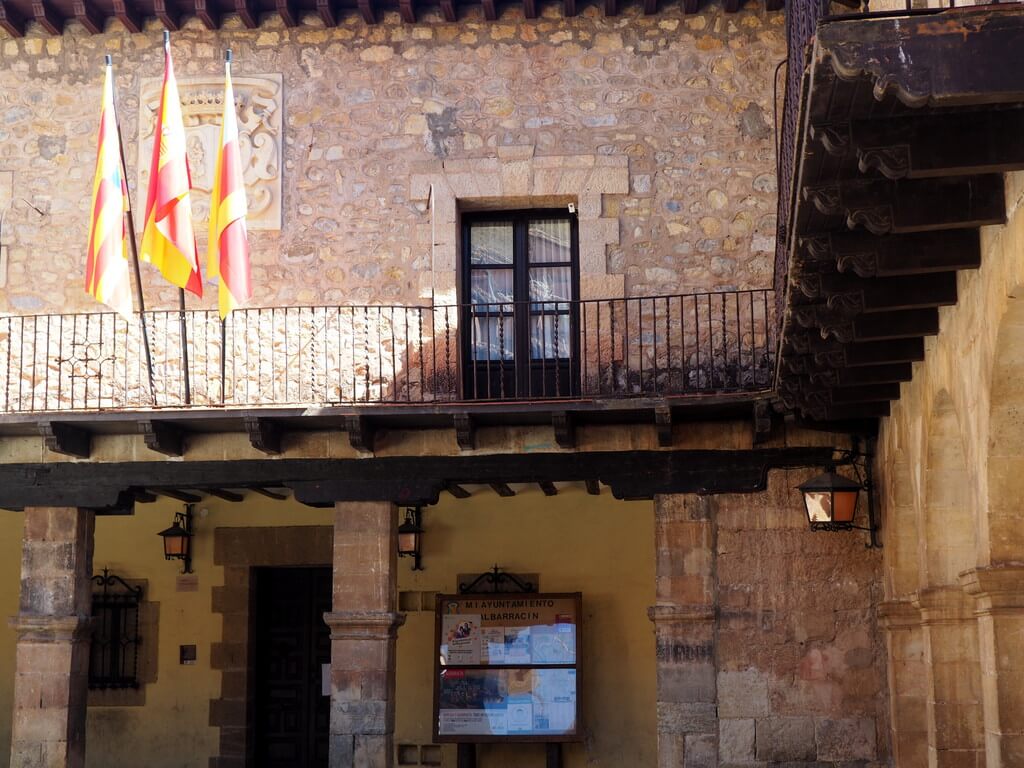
column 507, row 667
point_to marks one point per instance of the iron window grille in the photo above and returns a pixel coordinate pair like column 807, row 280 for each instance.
column 114, row 653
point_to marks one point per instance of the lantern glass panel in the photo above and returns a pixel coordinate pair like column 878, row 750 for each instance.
column 175, row 546
column 844, row 506
column 819, row 506
column 408, row 543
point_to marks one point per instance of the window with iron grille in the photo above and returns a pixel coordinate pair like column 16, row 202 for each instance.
column 114, row 653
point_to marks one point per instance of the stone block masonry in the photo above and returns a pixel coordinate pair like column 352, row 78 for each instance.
column 768, row 647
column 52, row 658
column 679, row 107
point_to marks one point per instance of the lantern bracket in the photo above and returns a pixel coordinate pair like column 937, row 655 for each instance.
column 861, row 464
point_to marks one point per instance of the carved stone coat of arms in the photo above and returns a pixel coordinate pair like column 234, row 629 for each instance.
column 259, row 106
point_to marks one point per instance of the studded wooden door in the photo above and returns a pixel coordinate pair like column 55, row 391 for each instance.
column 292, row 643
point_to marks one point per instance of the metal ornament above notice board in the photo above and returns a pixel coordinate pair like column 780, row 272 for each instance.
column 507, row 666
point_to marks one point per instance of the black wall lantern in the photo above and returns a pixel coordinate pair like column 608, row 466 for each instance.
column 178, row 538
column 410, row 536
column 831, row 500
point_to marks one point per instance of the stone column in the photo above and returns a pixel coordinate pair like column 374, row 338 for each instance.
column 684, row 621
column 363, row 628
column 954, row 702
column 908, row 689
column 999, row 605
column 51, row 678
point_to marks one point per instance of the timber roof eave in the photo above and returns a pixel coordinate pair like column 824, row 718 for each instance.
column 879, row 220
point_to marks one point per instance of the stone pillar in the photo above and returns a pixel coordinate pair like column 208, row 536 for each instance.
column 999, row 605
column 363, row 628
column 684, row 621
column 908, row 689
column 954, row 702
column 51, row 678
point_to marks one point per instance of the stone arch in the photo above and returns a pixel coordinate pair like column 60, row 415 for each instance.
column 900, row 524
column 1002, row 539
column 949, row 531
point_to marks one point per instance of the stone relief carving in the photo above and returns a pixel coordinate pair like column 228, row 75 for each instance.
column 260, row 105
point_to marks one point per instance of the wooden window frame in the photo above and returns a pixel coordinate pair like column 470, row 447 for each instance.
column 525, row 374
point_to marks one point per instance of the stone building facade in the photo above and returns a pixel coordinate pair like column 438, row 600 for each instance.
column 717, row 630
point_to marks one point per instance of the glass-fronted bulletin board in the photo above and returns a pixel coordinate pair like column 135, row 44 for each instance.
column 507, row 667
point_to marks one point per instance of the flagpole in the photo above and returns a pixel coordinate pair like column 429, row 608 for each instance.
column 135, row 257
column 223, row 320
column 184, row 345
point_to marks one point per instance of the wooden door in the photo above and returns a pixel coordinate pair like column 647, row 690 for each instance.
column 292, row 642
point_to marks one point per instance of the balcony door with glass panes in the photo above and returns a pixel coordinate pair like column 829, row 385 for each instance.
column 520, row 288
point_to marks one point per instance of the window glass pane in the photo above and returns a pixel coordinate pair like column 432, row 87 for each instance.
column 493, row 338
column 491, row 286
column 550, row 240
column 550, row 284
column 549, row 336
column 491, row 243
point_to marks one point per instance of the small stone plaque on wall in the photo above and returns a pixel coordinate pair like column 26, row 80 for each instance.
column 259, row 104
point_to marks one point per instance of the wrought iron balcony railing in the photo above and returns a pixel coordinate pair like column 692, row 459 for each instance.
column 344, row 355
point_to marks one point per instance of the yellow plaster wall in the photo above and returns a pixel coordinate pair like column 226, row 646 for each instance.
column 596, row 545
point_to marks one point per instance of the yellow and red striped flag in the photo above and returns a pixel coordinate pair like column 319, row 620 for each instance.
column 168, row 241
column 106, row 268
column 229, row 242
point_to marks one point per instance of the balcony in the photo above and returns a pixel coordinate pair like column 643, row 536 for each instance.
column 691, row 346
column 899, row 120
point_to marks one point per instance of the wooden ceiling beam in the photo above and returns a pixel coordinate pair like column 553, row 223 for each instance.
column 167, row 14
column 611, row 7
column 502, row 489
column 162, row 437
column 248, row 13
column 361, row 433
column 465, row 431
column 11, row 19
column 269, row 493
column 569, row 8
column 222, row 493
column 549, row 488
column 565, row 429
column 66, row 439
column 328, row 15
column 129, row 16
column 407, row 11
column 958, row 144
column 448, row 11
column 47, row 17
column 866, row 255
column 288, row 12
column 206, row 12
column 593, row 487
column 691, row 6
column 264, row 434
column 912, row 205
column 173, row 493
column 731, row 6
column 842, row 297
column 490, row 9
column 663, row 425
column 457, row 491
column 367, row 12
column 865, row 394
column 88, row 16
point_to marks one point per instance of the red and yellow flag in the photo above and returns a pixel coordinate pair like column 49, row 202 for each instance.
column 229, row 243
column 168, row 241
column 106, row 268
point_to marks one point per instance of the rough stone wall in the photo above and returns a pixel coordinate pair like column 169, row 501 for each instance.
column 684, row 101
column 768, row 643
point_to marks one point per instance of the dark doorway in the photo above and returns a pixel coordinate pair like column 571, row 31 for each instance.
column 292, row 642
